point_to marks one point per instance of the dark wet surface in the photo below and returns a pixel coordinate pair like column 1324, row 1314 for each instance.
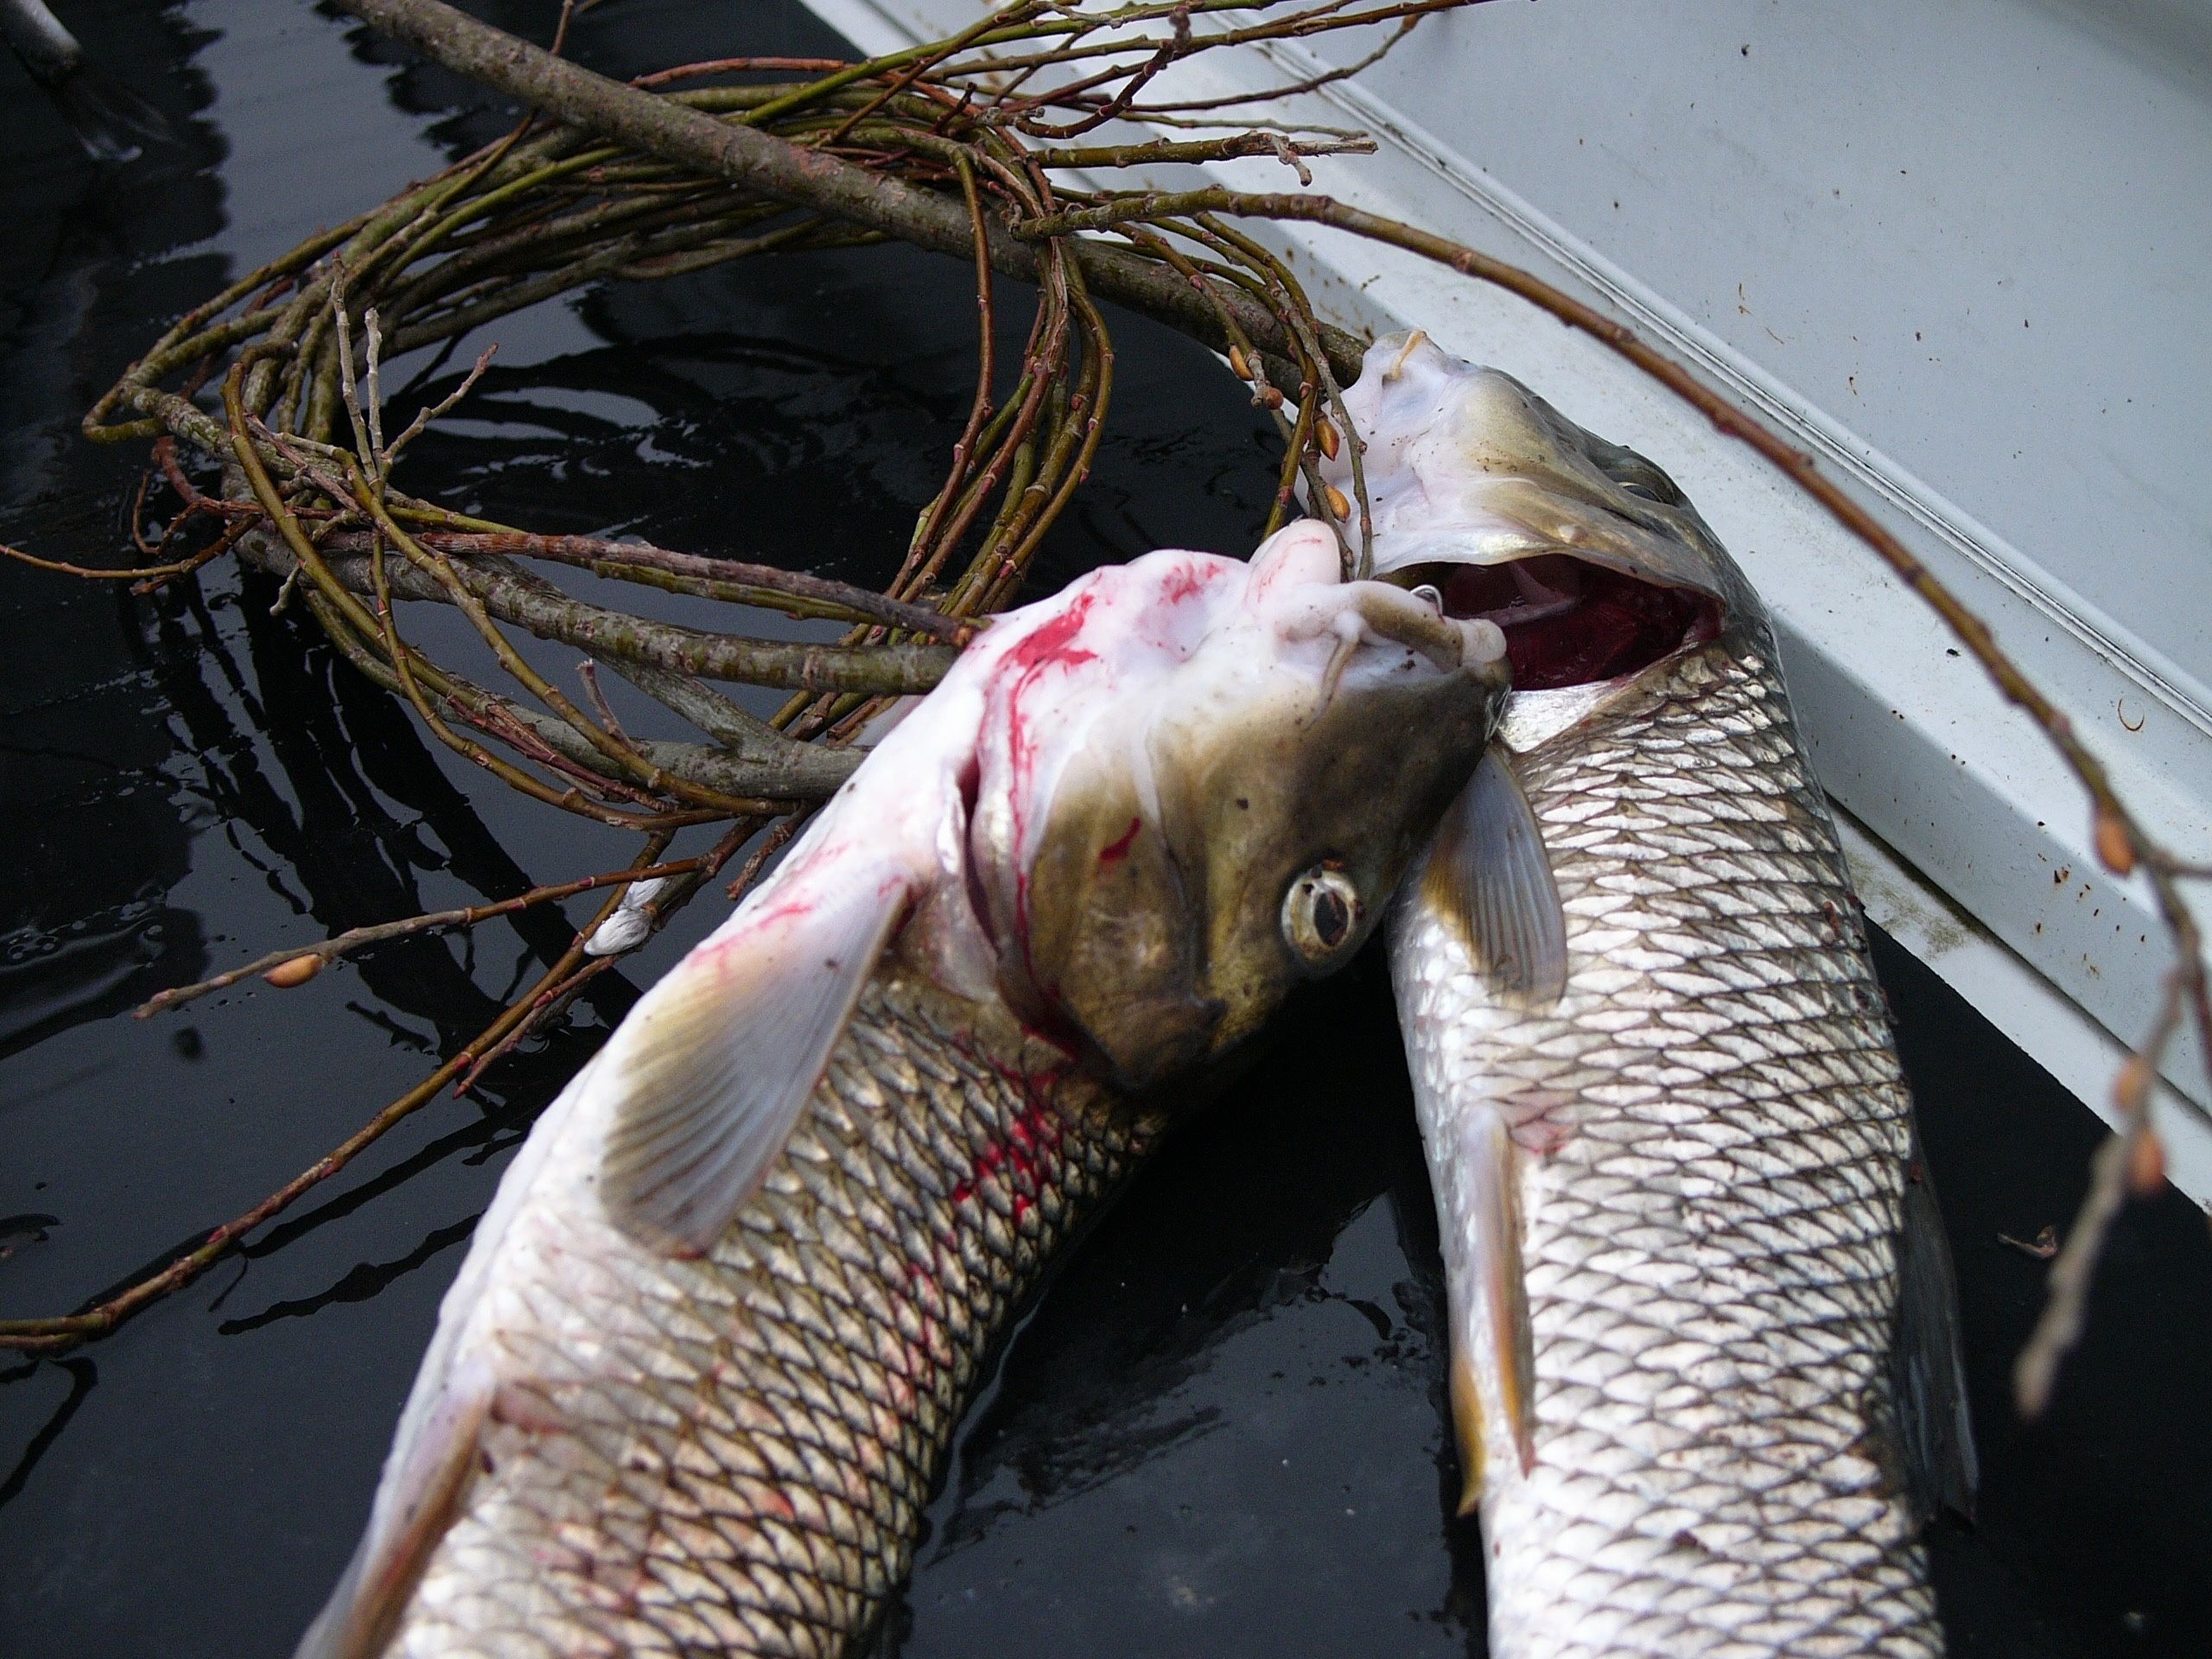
column 1220, row 1431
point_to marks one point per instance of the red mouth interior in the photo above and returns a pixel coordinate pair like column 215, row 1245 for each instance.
column 1569, row 623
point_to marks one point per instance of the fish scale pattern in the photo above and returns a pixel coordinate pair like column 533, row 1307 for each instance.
column 1714, row 1133
column 730, row 1455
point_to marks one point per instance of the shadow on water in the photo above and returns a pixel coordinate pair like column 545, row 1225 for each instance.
column 1220, row 1432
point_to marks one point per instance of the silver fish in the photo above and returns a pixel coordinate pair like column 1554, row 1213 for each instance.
column 696, row 1376
column 1706, row 1377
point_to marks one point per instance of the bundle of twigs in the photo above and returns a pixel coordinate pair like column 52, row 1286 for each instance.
column 266, row 408
column 980, row 146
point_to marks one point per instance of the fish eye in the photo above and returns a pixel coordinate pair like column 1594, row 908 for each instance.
column 1431, row 596
column 1321, row 915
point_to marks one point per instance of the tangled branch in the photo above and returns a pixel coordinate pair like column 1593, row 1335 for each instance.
column 271, row 392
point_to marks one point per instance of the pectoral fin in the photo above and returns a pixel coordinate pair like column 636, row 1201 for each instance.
column 1488, row 869
column 718, row 1061
column 1928, row 1358
column 1493, row 1349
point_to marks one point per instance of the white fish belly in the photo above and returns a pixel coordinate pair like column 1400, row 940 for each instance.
column 1712, row 1134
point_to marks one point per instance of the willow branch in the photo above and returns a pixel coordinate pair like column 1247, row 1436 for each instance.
column 791, row 174
column 54, row 1335
column 890, row 670
column 358, row 938
column 768, row 585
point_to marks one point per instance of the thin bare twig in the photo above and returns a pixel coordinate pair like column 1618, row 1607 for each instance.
column 429, row 412
column 55, row 1335
column 587, row 671
column 2035, row 1373
column 769, row 584
column 358, row 938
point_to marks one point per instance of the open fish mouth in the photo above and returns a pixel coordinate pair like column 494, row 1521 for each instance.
column 1568, row 621
column 1584, row 554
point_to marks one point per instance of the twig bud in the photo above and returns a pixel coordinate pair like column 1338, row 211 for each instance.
column 1327, row 434
column 294, row 970
column 1339, row 508
column 2130, row 1088
column 2115, row 847
column 2146, row 1163
column 1237, row 364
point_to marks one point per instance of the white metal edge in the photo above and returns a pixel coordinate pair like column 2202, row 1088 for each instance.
column 2047, row 1026
column 874, row 28
column 2103, row 635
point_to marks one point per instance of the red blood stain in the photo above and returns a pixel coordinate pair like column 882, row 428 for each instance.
column 1050, row 643
column 1050, row 640
column 1028, row 1154
column 776, row 1503
column 1016, row 1159
column 783, row 911
column 1188, row 581
column 1120, row 849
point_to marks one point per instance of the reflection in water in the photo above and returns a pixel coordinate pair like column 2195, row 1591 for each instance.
column 1221, row 1432
column 90, row 254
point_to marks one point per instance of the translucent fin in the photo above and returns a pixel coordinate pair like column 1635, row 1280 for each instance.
column 1493, row 1349
column 1928, row 1359
column 721, row 1056
column 414, row 1508
column 1489, row 870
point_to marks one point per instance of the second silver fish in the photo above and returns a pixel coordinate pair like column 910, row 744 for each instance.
column 1705, row 1373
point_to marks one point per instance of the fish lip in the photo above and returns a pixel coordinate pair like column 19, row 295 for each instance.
column 1468, row 469
column 1383, row 613
column 1449, row 643
column 1470, row 466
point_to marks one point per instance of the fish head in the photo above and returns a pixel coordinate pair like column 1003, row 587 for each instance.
column 1197, row 782
column 1585, row 553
